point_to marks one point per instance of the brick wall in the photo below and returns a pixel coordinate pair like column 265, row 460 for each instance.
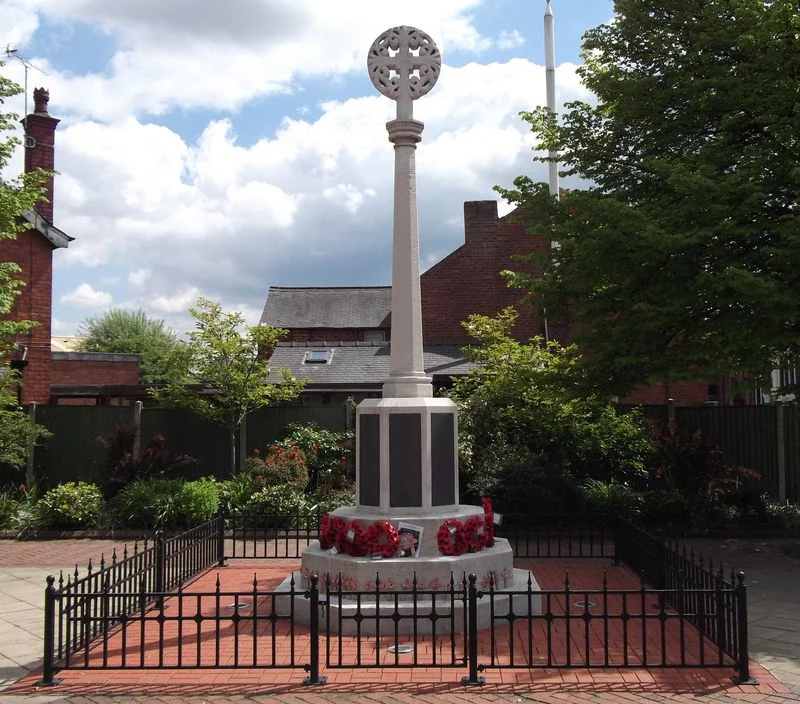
column 90, row 368
column 468, row 280
column 684, row 393
column 34, row 254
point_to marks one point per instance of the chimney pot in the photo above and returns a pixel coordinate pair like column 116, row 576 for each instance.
column 41, row 97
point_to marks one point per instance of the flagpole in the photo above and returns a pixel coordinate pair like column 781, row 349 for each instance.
column 550, row 82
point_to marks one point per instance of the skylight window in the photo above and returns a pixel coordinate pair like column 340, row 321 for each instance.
column 318, row 357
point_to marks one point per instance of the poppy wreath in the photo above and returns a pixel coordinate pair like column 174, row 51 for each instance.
column 325, row 537
column 337, row 529
column 450, row 537
column 381, row 539
column 488, row 513
column 473, row 534
column 354, row 539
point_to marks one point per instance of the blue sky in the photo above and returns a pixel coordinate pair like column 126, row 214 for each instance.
column 217, row 149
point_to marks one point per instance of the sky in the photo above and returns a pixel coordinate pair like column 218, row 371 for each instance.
column 216, row 149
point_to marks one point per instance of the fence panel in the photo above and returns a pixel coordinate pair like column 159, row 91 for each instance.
column 74, row 453
column 747, row 436
column 791, row 434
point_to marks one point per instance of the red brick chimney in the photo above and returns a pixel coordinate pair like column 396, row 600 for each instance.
column 33, row 252
column 40, row 132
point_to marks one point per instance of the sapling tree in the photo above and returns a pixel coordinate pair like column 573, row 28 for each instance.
column 225, row 365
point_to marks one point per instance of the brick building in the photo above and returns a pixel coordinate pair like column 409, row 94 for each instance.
column 43, row 370
column 338, row 336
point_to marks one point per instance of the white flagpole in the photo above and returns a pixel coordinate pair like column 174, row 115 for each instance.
column 550, row 81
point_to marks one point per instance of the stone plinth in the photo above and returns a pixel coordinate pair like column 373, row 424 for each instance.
column 407, row 456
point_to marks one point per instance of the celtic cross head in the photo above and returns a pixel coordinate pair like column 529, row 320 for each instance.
column 404, row 65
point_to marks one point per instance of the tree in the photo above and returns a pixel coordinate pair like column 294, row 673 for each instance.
column 228, row 360
column 528, row 428
column 134, row 332
column 682, row 255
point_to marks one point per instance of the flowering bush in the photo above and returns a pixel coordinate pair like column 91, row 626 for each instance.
column 284, row 463
column 329, row 455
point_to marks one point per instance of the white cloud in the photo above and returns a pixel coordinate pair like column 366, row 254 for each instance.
column 139, row 277
column 202, row 53
column 85, row 296
column 510, row 40
column 308, row 205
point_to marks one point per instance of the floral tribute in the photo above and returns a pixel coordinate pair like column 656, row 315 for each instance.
column 332, row 532
column 381, row 539
column 355, row 539
column 474, row 534
column 477, row 533
column 450, row 537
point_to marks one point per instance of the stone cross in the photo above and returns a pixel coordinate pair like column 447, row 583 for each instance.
column 404, row 65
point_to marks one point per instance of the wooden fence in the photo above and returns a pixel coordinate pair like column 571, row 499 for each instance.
column 762, row 438
column 75, row 452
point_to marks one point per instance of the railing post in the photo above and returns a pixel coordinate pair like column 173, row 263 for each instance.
column 49, row 633
column 313, row 667
column 743, row 665
column 161, row 565
column 472, row 638
column 221, row 538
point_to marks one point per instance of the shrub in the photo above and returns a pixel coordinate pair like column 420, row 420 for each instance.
column 71, row 505
column 198, row 501
column 234, row 493
column 530, row 400
column 610, row 498
column 149, row 504
column 9, row 502
column 328, row 454
column 782, row 516
column 280, row 506
column 285, row 463
column 690, row 465
column 155, row 460
column 330, row 501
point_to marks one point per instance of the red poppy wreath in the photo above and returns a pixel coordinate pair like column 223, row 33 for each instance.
column 381, row 539
column 450, row 537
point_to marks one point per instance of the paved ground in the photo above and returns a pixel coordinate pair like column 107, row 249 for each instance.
column 773, row 575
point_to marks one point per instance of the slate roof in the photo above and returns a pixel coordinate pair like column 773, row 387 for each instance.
column 361, row 363
column 328, row 307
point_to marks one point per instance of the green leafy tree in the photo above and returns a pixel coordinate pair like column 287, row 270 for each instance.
column 228, row 361
column 134, row 332
column 528, row 428
column 17, row 433
column 682, row 255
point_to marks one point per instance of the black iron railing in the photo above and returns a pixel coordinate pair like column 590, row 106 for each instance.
column 136, row 611
column 277, row 536
column 156, row 567
column 558, row 535
column 716, row 606
column 406, row 628
column 620, row 628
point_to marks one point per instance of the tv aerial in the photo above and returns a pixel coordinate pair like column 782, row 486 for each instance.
column 12, row 53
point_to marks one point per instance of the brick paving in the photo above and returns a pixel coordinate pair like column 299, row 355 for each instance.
column 377, row 684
